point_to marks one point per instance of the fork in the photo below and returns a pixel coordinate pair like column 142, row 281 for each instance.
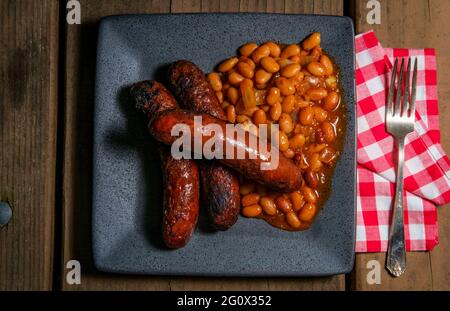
column 399, row 122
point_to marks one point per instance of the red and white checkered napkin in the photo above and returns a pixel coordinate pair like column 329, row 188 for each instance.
column 427, row 168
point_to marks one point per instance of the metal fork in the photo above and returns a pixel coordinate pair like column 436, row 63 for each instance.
column 399, row 122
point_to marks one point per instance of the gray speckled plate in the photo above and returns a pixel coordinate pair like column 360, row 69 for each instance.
column 127, row 185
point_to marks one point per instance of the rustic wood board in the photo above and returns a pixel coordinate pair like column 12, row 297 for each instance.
column 79, row 79
column 418, row 24
column 28, row 113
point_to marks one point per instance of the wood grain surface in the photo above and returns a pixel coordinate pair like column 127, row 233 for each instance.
column 415, row 24
column 80, row 44
column 28, row 110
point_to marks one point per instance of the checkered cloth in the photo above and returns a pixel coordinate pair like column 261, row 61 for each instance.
column 427, row 168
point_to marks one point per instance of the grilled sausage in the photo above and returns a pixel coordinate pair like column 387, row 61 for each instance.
column 181, row 177
column 181, row 199
column 193, row 90
column 220, row 185
column 285, row 177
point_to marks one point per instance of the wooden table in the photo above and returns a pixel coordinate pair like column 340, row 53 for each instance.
column 46, row 92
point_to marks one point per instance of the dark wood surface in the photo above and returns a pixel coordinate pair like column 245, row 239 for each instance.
column 29, row 128
column 28, row 110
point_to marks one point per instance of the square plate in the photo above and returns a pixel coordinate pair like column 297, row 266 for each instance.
column 127, row 186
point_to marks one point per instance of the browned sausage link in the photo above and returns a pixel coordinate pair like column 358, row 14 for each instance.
column 181, row 197
column 152, row 98
column 181, row 177
column 193, row 90
column 220, row 185
column 220, row 194
column 285, row 177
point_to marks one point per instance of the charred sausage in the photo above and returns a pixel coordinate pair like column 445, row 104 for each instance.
column 181, row 177
column 193, row 90
column 285, row 177
column 220, row 185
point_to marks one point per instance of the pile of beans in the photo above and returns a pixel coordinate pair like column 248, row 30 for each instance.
column 296, row 87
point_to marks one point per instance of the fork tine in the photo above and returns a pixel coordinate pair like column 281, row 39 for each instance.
column 390, row 103
column 404, row 111
column 412, row 105
column 399, row 90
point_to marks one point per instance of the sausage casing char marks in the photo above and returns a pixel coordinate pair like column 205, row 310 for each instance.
column 220, row 185
column 181, row 177
column 285, row 177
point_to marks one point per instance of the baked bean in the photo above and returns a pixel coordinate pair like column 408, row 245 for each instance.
column 248, row 61
column 315, row 53
column 331, row 101
column 268, row 206
column 247, row 49
column 316, row 69
column 297, row 200
column 273, row 95
column 289, row 153
column 235, row 78
column 219, row 96
column 265, row 108
column 286, row 124
column 295, row 59
column 297, row 142
column 259, row 117
column 311, row 178
column 260, row 86
column 328, row 131
column 320, row 114
column 262, row 76
column 245, row 70
column 293, row 220
column 214, row 81
column 283, row 62
column 232, row 95
column 314, row 162
column 285, row 85
column 312, row 41
column 284, row 204
column 327, row 64
column 288, row 103
column 247, row 187
column 261, row 52
column 275, row 111
column 290, row 50
column 247, row 93
column 309, row 194
column 317, row 93
column 307, row 212
column 241, row 118
column 283, row 141
column 252, row 211
column 228, row 64
column 306, row 116
column 250, row 199
column 274, row 49
column 269, row 64
column 231, row 114
column 290, row 71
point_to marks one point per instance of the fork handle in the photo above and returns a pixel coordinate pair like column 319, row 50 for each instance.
column 396, row 255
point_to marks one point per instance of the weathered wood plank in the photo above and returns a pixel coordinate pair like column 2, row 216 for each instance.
column 28, row 110
column 79, row 84
column 419, row 24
